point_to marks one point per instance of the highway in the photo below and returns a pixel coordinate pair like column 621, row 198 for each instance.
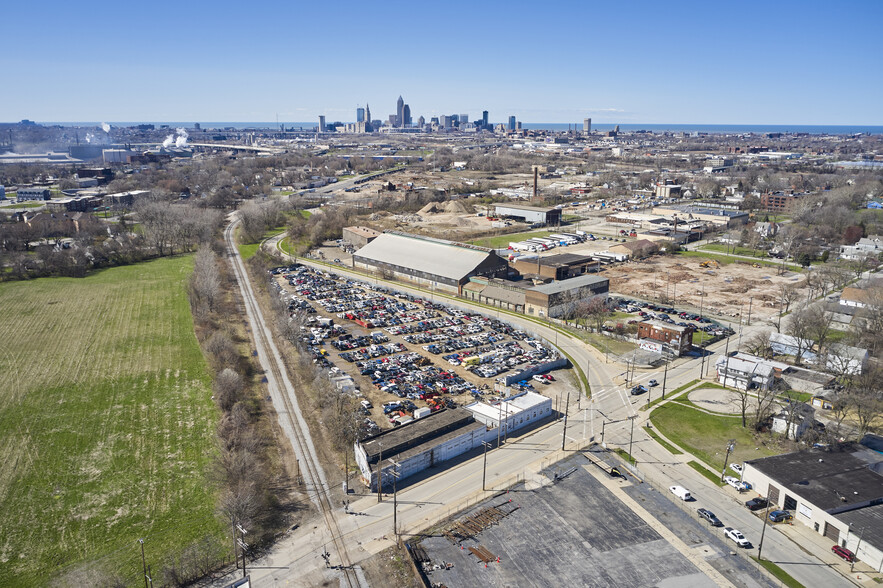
column 368, row 527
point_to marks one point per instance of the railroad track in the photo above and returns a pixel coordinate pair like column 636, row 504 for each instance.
column 292, row 423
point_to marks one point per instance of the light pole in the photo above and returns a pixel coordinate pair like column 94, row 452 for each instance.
column 857, row 546
column 766, row 516
column 664, row 378
column 144, row 561
column 564, row 430
column 731, row 445
column 395, row 503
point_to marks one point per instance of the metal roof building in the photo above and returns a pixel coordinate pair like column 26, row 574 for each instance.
column 530, row 214
column 438, row 263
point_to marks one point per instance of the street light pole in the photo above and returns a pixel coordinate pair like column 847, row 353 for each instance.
column 631, row 436
column 564, row 430
column 664, row 378
column 144, row 562
column 766, row 516
column 857, row 546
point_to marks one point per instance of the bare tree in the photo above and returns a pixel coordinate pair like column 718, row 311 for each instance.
column 205, row 282
column 228, row 387
column 818, row 323
column 800, row 327
column 759, row 344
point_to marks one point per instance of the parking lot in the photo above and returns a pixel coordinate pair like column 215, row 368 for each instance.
column 406, row 353
column 575, row 532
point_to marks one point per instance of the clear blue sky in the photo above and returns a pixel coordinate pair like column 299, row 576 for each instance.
column 771, row 62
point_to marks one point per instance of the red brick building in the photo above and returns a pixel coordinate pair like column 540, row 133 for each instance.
column 679, row 340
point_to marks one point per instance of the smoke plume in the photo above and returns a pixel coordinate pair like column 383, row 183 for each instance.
column 105, row 127
column 170, row 140
column 181, row 141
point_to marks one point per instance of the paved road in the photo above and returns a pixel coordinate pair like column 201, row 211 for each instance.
column 441, row 493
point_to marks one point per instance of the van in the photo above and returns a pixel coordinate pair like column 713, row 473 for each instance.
column 681, row 493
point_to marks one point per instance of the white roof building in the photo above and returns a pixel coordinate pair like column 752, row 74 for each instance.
column 514, row 412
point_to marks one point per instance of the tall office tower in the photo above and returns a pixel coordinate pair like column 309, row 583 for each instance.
column 406, row 116
column 587, row 125
column 369, row 124
column 421, row 122
column 464, row 118
column 400, row 112
column 360, row 115
column 321, row 124
column 511, row 123
column 518, row 126
column 484, row 118
column 455, row 119
column 445, row 121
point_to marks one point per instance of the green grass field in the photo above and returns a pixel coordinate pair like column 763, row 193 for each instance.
column 106, row 423
column 705, row 435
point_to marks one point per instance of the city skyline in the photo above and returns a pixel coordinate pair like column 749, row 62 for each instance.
column 784, row 63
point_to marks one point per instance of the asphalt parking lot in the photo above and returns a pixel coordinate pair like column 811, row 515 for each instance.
column 575, row 532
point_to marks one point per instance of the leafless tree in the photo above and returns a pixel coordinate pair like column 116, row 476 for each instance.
column 205, row 282
column 800, row 326
column 759, row 344
column 228, row 387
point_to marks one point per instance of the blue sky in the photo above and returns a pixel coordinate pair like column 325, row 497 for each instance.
column 773, row 62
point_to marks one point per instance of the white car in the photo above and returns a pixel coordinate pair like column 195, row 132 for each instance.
column 735, row 483
column 736, row 467
column 737, row 537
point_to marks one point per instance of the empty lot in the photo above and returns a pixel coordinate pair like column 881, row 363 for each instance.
column 106, row 423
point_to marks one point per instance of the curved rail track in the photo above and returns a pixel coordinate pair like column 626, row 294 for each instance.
column 290, row 418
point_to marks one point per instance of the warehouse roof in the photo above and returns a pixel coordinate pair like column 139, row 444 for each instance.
column 571, row 284
column 362, row 231
column 433, row 256
column 565, row 259
column 418, row 434
column 833, row 480
column 524, row 207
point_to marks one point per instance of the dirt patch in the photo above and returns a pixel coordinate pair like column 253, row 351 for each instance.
column 391, row 567
column 681, row 282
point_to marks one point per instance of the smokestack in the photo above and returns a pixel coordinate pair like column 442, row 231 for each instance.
column 535, row 172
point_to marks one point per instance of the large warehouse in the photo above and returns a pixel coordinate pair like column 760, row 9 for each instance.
column 439, row 264
column 530, row 214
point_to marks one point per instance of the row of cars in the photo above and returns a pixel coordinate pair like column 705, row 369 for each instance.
column 730, row 533
column 668, row 314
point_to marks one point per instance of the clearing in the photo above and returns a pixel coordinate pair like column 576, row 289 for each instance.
column 106, row 423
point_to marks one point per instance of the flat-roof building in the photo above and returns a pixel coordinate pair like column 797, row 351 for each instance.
column 836, row 491
column 437, row 263
column 717, row 216
column 28, row 194
column 512, row 413
column 559, row 298
column 557, row 267
column 678, row 339
column 530, row 214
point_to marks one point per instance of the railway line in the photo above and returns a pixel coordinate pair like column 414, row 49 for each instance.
column 290, row 418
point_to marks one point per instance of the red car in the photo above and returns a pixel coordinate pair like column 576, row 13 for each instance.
column 843, row 553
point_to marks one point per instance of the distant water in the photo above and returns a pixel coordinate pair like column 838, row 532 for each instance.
column 656, row 128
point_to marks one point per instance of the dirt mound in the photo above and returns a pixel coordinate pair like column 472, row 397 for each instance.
column 430, row 208
column 455, row 207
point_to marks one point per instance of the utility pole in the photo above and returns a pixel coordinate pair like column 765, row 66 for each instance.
column 750, row 300
column 731, row 445
column 379, row 476
column 395, row 502
column 603, row 423
column 484, row 468
column 144, row 561
column 632, row 436
column 499, row 420
column 857, row 546
column 766, row 517
column 564, row 430
column 243, row 545
column 664, row 378
column 235, row 551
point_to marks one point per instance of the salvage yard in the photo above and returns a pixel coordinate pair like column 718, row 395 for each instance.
column 405, row 353
column 106, row 424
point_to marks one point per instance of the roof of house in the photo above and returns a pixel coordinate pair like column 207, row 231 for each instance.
column 745, row 366
column 829, row 479
column 432, row 256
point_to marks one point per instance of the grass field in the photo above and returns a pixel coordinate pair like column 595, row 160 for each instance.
column 705, row 435
column 106, row 423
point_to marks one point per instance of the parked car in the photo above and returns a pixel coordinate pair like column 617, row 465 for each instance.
column 710, row 517
column 738, row 485
column 737, row 537
column 843, row 553
column 780, row 516
column 638, row 390
column 736, row 467
column 757, row 503
column 652, row 383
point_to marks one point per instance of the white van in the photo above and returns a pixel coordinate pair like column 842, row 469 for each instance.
column 681, row 493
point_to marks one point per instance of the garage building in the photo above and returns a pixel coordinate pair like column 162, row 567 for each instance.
column 838, row 492
column 359, row 236
column 514, row 412
column 530, row 214
column 437, row 263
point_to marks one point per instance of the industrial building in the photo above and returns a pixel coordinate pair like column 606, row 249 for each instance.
column 556, row 267
column 837, row 491
column 500, row 293
column 558, row 298
column 418, row 445
column 359, row 236
column 436, row 263
column 529, row 214
column 717, row 216
column 513, row 413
